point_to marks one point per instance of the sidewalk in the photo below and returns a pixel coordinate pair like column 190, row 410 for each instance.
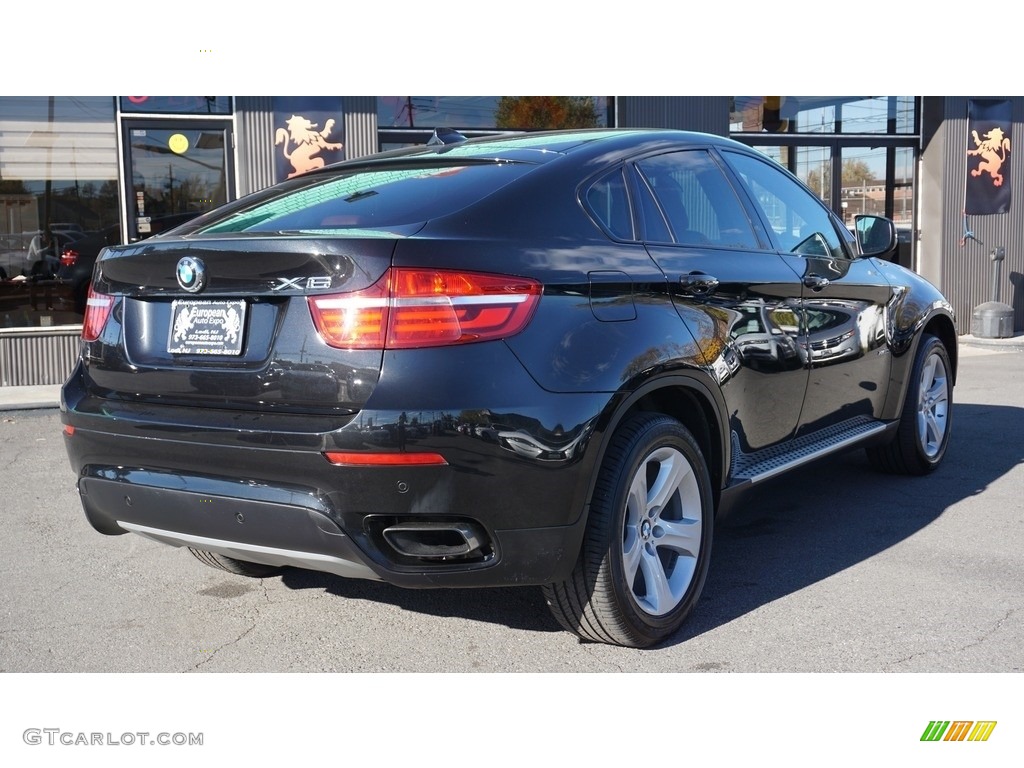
column 1015, row 342
column 48, row 396
column 22, row 398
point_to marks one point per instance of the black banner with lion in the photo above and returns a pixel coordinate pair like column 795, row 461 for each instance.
column 307, row 134
column 989, row 124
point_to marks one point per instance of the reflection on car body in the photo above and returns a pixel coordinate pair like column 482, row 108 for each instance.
column 764, row 335
column 832, row 332
column 307, row 381
column 525, row 444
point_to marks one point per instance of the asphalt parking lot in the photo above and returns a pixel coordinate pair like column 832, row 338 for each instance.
column 833, row 569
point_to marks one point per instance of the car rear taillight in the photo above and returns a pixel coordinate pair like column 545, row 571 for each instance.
column 97, row 310
column 409, row 308
column 69, row 257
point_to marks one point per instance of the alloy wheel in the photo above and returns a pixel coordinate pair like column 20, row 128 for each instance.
column 661, row 534
column 933, row 401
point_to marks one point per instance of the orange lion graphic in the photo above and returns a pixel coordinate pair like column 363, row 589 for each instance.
column 308, row 143
column 993, row 152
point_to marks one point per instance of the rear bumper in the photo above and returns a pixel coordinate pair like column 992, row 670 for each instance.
column 219, row 516
column 303, row 534
column 257, row 487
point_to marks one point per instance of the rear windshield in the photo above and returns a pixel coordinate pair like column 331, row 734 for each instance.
column 371, row 199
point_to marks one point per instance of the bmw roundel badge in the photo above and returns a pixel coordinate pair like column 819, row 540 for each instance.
column 191, row 274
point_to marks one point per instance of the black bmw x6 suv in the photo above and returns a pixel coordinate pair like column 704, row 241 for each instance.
column 544, row 359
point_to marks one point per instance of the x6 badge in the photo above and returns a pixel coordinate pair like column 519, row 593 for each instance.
column 297, row 284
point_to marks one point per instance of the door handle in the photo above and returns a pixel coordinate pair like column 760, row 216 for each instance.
column 698, row 284
column 816, row 282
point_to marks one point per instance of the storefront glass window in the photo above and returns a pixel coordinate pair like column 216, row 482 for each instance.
column 492, row 112
column 891, row 115
column 812, row 165
column 58, row 185
column 179, row 105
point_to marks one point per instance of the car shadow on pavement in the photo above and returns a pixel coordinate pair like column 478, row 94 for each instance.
column 515, row 607
column 825, row 518
column 786, row 535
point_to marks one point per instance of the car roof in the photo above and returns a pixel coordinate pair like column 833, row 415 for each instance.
column 578, row 152
column 542, row 146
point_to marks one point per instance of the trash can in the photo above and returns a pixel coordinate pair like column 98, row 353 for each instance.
column 992, row 320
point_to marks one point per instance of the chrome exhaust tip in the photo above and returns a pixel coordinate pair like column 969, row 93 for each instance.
column 436, row 540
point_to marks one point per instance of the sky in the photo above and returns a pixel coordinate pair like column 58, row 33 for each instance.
column 528, row 47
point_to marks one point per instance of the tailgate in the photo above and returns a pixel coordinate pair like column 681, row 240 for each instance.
column 225, row 322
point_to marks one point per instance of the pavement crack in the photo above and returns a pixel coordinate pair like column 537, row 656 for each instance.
column 995, row 628
column 219, row 648
column 973, row 644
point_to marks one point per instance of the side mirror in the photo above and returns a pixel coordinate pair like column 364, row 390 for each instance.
column 876, row 236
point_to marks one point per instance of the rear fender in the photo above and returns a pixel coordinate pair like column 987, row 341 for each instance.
column 694, row 400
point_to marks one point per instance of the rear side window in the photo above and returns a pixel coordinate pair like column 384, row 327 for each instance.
column 698, row 201
column 608, row 201
column 370, row 199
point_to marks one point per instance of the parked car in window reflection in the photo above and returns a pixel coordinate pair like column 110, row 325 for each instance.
column 29, row 255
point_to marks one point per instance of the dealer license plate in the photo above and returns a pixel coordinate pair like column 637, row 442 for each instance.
column 206, row 327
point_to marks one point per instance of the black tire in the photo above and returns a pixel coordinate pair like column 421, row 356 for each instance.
column 633, row 536
column 920, row 442
column 231, row 565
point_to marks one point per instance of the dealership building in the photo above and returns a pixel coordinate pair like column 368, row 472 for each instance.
column 81, row 172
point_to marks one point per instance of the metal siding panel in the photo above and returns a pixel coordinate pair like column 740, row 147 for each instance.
column 709, row 114
column 360, row 125
column 32, row 360
column 255, row 143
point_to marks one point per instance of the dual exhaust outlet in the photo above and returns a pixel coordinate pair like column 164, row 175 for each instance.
column 428, row 540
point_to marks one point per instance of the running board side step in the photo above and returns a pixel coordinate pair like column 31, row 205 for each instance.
column 761, row 465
